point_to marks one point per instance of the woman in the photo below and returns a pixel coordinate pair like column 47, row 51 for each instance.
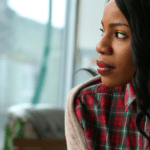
column 111, row 111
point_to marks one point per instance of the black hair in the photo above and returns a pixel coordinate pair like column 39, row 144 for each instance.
column 137, row 13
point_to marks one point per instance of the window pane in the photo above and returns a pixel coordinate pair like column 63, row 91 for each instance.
column 23, row 26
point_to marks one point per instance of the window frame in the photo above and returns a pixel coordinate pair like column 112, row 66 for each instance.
column 68, row 52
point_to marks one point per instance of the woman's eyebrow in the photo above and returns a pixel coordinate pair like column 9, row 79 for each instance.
column 117, row 24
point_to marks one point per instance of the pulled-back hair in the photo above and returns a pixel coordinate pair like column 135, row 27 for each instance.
column 137, row 13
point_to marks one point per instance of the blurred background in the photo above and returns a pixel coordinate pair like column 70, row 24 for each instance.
column 23, row 28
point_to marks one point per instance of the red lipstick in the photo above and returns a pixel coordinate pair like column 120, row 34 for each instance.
column 102, row 64
column 104, row 68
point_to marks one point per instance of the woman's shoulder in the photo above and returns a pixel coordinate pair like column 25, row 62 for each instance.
column 95, row 87
column 90, row 87
column 87, row 86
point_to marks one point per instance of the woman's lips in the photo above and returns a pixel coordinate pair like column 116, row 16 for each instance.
column 102, row 64
column 105, row 70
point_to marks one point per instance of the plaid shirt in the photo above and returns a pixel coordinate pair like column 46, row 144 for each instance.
column 107, row 116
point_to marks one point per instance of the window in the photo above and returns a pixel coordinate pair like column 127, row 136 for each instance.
column 88, row 35
column 23, row 27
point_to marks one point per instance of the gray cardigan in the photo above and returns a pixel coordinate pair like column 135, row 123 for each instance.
column 74, row 133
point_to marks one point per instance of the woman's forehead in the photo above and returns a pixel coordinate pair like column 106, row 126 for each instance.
column 111, row 6
column 112, row 13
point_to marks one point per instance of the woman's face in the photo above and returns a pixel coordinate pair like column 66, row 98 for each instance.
column 115, row 47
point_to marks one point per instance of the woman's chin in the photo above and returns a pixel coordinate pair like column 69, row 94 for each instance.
column 112, row 83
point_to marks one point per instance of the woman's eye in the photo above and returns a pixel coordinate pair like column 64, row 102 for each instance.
column 118, row 34
column 102, row 31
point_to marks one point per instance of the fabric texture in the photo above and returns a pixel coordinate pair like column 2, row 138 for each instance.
column 38, row 121
column 102, row 118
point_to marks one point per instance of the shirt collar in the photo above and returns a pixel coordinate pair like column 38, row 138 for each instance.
column 129, row 96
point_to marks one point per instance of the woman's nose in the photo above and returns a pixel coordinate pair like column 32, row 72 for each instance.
column 104, row 46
